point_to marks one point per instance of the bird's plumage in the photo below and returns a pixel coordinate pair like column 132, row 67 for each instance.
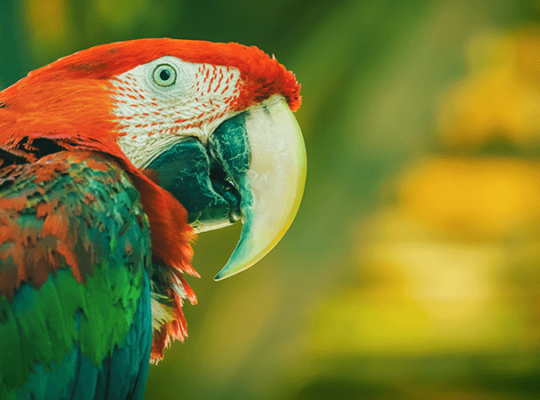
column 75, row 305
column 94, row 248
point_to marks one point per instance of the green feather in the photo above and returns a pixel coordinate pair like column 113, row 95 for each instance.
column 45, row 321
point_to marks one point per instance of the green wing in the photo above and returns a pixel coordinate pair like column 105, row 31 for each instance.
column 75, row 318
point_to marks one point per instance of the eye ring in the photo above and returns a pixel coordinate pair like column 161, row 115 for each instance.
column 164, row 75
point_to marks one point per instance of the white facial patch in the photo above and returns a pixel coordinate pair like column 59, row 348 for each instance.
column 155, row 112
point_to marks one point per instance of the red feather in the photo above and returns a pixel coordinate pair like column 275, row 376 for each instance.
column 262, row 76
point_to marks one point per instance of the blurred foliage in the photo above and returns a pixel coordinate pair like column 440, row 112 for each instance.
column 413, row 268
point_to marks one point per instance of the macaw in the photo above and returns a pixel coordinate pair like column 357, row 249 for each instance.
column 112, row 159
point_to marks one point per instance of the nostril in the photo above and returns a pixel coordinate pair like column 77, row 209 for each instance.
column 217, row 173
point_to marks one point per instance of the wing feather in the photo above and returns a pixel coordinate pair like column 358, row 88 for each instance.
column 75, row 317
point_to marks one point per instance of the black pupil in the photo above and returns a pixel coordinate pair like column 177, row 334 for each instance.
column 165, row 74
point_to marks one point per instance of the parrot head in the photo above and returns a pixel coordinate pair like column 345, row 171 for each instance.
column 211, row 123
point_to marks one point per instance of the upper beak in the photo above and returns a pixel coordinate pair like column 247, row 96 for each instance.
column 253, row 168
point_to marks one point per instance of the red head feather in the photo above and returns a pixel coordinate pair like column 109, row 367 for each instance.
column 262, row 76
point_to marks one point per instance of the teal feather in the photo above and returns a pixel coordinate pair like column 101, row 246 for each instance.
column 73, row 325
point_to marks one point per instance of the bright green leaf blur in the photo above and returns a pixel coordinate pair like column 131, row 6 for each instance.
column 412, row 270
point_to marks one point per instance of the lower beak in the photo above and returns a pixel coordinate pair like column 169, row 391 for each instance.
column 253, row 169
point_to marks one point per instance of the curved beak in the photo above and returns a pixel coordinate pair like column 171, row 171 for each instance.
column 253, row 168
column 272, row 187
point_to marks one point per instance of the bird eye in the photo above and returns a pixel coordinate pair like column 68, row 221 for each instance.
column 164, row 75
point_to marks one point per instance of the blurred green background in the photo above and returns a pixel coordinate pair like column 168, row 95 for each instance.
column 412, row 270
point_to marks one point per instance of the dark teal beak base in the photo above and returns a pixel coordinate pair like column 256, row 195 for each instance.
column 209, row 180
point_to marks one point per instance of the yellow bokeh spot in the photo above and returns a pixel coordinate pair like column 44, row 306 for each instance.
column 420, row 296
column 47, row 20
column 488, row 198
column 500, row 97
